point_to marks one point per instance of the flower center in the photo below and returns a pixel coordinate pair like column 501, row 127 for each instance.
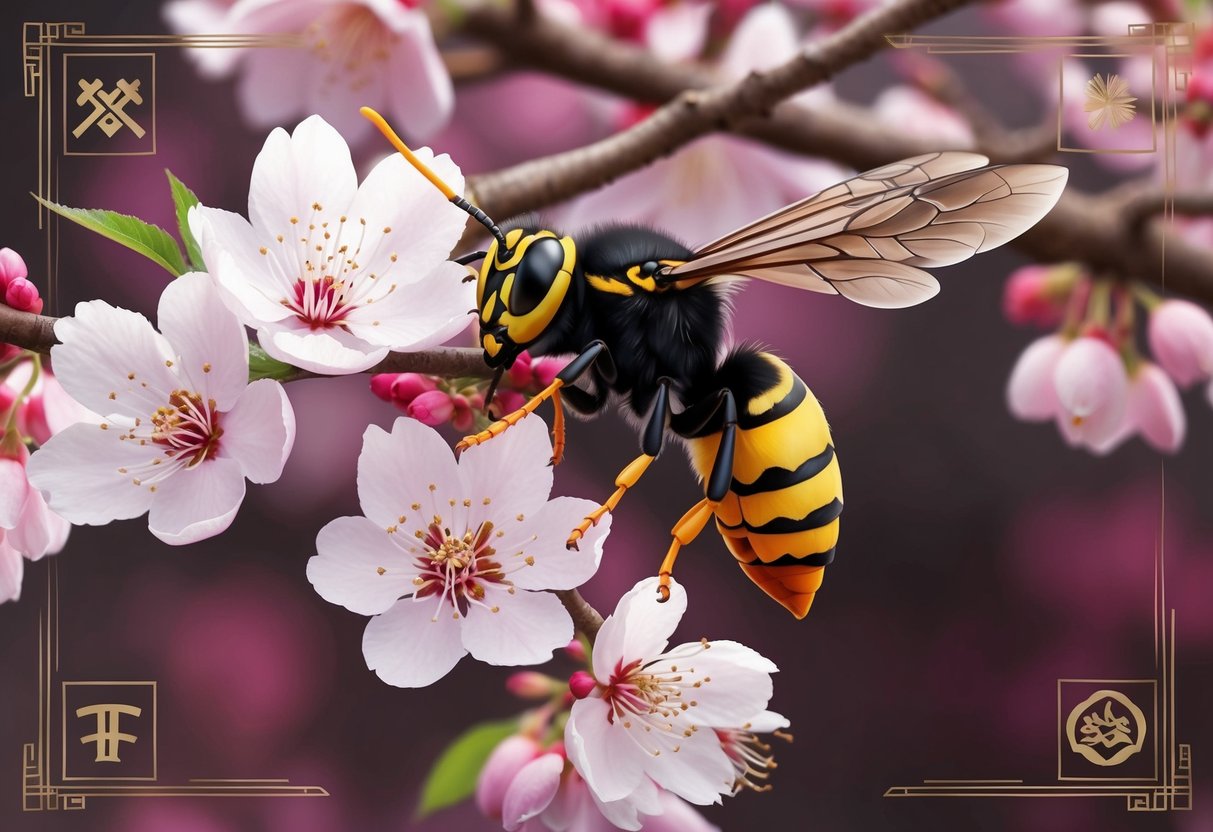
column 187, row 427
column 320, row 302
column 456, row 569
column 633, row 690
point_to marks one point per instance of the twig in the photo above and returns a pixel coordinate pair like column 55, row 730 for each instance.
column 1146, row 205
column 585, row 618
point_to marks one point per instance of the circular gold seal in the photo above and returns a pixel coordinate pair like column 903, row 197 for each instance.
column 1112, row 728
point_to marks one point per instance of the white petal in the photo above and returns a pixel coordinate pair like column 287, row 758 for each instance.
column 424, row 102
column 101, row 347
column 735, row 682
column 699, row 771
column 1031, row 394
column 359, row 567
column 61, row 409
column 556, row 567
column 259, row 431
column 674, row 815
column 246, row 278
column 40, row 531
column 611, row 764
column 211, row 344
column 531, row 790
column 419, row 315
column 513, row 470
column 640, row 627
column 526, row 629
column 766, row 722
column 678, row 32
column 333, row 351
column 411, row 647
column 78, row 472
column 14, row 488
column 764, row 38
column 311, row 165
column 197, row 503
column 12, row 569
column 396, row 470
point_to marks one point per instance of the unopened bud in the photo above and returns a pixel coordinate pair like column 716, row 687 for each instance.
column 528, row 684
column 582, row 684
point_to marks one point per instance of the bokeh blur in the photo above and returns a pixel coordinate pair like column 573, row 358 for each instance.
column 981, row 559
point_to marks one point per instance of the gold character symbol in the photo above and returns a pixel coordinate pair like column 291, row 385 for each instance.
column 108, row 734
column 109, row 108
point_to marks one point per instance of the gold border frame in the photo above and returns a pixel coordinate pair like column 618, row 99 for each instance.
column 63, row 119
column 1172, row 791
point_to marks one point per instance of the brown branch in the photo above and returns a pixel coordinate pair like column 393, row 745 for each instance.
column 696, row 112
column 1145, row 205
column 585, row 618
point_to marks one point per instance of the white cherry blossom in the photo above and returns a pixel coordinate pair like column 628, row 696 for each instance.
column 452, row 557
column 652, row 711
column 182, row 427
column 333, row 275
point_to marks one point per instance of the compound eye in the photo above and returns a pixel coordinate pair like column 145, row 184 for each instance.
column 535, row 274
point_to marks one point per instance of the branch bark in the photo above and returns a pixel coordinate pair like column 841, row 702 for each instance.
column 585, row 618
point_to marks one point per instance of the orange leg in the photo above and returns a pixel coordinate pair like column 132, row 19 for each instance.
column 510, row 419
column 684, row 531
column 628, row 477
column 557, row 429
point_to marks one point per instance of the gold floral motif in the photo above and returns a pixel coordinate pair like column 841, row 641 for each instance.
column 1108, row 102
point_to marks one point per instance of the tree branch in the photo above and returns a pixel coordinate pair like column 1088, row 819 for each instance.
column 585, row 618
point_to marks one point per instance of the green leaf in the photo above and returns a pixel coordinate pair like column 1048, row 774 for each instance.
column 183, row 200
column 149, row 240
column 260, row 365
column 453, row 777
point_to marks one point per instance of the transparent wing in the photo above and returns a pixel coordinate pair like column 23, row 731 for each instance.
column 866, row 238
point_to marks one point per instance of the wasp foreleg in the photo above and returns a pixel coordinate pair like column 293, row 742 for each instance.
column 650, row 446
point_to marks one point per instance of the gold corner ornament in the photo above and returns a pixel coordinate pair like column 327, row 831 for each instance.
column 1121, row 725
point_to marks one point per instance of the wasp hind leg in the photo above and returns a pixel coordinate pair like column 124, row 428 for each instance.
column 596, row 351
column 719, row 483
column 650, row 446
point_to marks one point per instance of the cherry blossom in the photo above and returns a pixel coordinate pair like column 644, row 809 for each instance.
column 28, row 529
column 1181, row 338
column 333, row 275
column 452, row 557
column 647, row 720
column 1031, row 393
column 183, row 428
column 1092, row 392
column 375, row 52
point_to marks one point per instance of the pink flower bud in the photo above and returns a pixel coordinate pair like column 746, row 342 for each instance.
column 499, row 771
column 546, row 369
column 31, row 420
column 22, row 295
column 1181, row 338
column 582, row 684
column 1092, row 390
column 520, row 372
column 531, row 790
column 507, row 401
column 528, row 684
column 1031, row 395
column 575, row 650
column 1155, row 408
column 409, row 386
column 432, row 408
column 381, row 385
column 1037, row 295
column 11, row 267
column 463, row 417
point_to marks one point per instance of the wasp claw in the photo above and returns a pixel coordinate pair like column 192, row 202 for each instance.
column 571, row 544
column 663, row 594
column 468, row 279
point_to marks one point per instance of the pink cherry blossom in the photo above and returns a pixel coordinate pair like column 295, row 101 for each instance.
column 507, row 759
column 23, row 295
column 1154, row 408
column 452, row 558
column 1039, row 295
column 183, row 428
column 432, row 408
column 1181, row 339
column 12, row 266
column 333, row 275
column 1031, row 392
column 1092, row 392
column 28, row 529
column 47, row 409
column 645, row 720
column 375, row 52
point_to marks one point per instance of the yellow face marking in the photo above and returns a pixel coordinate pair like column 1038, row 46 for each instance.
column 523, row 329
column 507, row 288
column 647, row 284
column 486, row 314
column 609, row 284
column 763, row 403
column 491, row 345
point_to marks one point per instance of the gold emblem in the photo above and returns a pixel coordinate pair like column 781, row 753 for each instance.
column 108, row 734
column 1112, row 728
column 1108, row 102
column 109, row 107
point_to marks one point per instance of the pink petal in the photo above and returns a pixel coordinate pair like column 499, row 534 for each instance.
column 699, row 772
column 677, row 816
column 507, row 759
column 1031, row 394
column 639, row 628
column 40, row 531
column 513, row 471
column 196, row 503
column 78, row 472
column 554, row 566
column 422, row 96
column 419, row 315
column 211, row 344
column 527, row 628
column 360, row 567
column 739, row 687
column 532, row 790
column 259, row 431
column 244, row 276
column 1156, row 410
column 764, row 38
column 330, row 352
column 413, row 644
column 609, row 761
column 396, row 470
column 12, row 568
column 14, row 487
column 1092, row 389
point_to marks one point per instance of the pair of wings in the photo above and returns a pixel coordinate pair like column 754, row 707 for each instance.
column 866, row 238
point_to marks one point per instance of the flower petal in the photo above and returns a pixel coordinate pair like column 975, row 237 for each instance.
column 78, row 471
column 412, row 464
column 359, row 567
column 245, row 277
column 12, row 569
column 1031, row 394
column 699, row 771
column 410, row 646
column 499, row 770
column 640, row 627
column 312, row 165
column 196, row 503
column 554, row 566
column 426, row 101
column 735, row 682
column 677, row 816
column 40, row 531
column 111, row 360
column 271, row 89
column 419, row 315
column 611, row 764
column 259, row 431
column 211, row 343
column 14, row 488
column 531, row 790
column 332, row 351
column 527, row 628
column 512, row 470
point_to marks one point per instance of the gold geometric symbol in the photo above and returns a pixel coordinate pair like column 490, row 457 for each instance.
column 109, row 107
column 1108, row 102
column 1120, row 725
column 108, row 734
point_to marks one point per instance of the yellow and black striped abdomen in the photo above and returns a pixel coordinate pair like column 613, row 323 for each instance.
column 780, row 517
